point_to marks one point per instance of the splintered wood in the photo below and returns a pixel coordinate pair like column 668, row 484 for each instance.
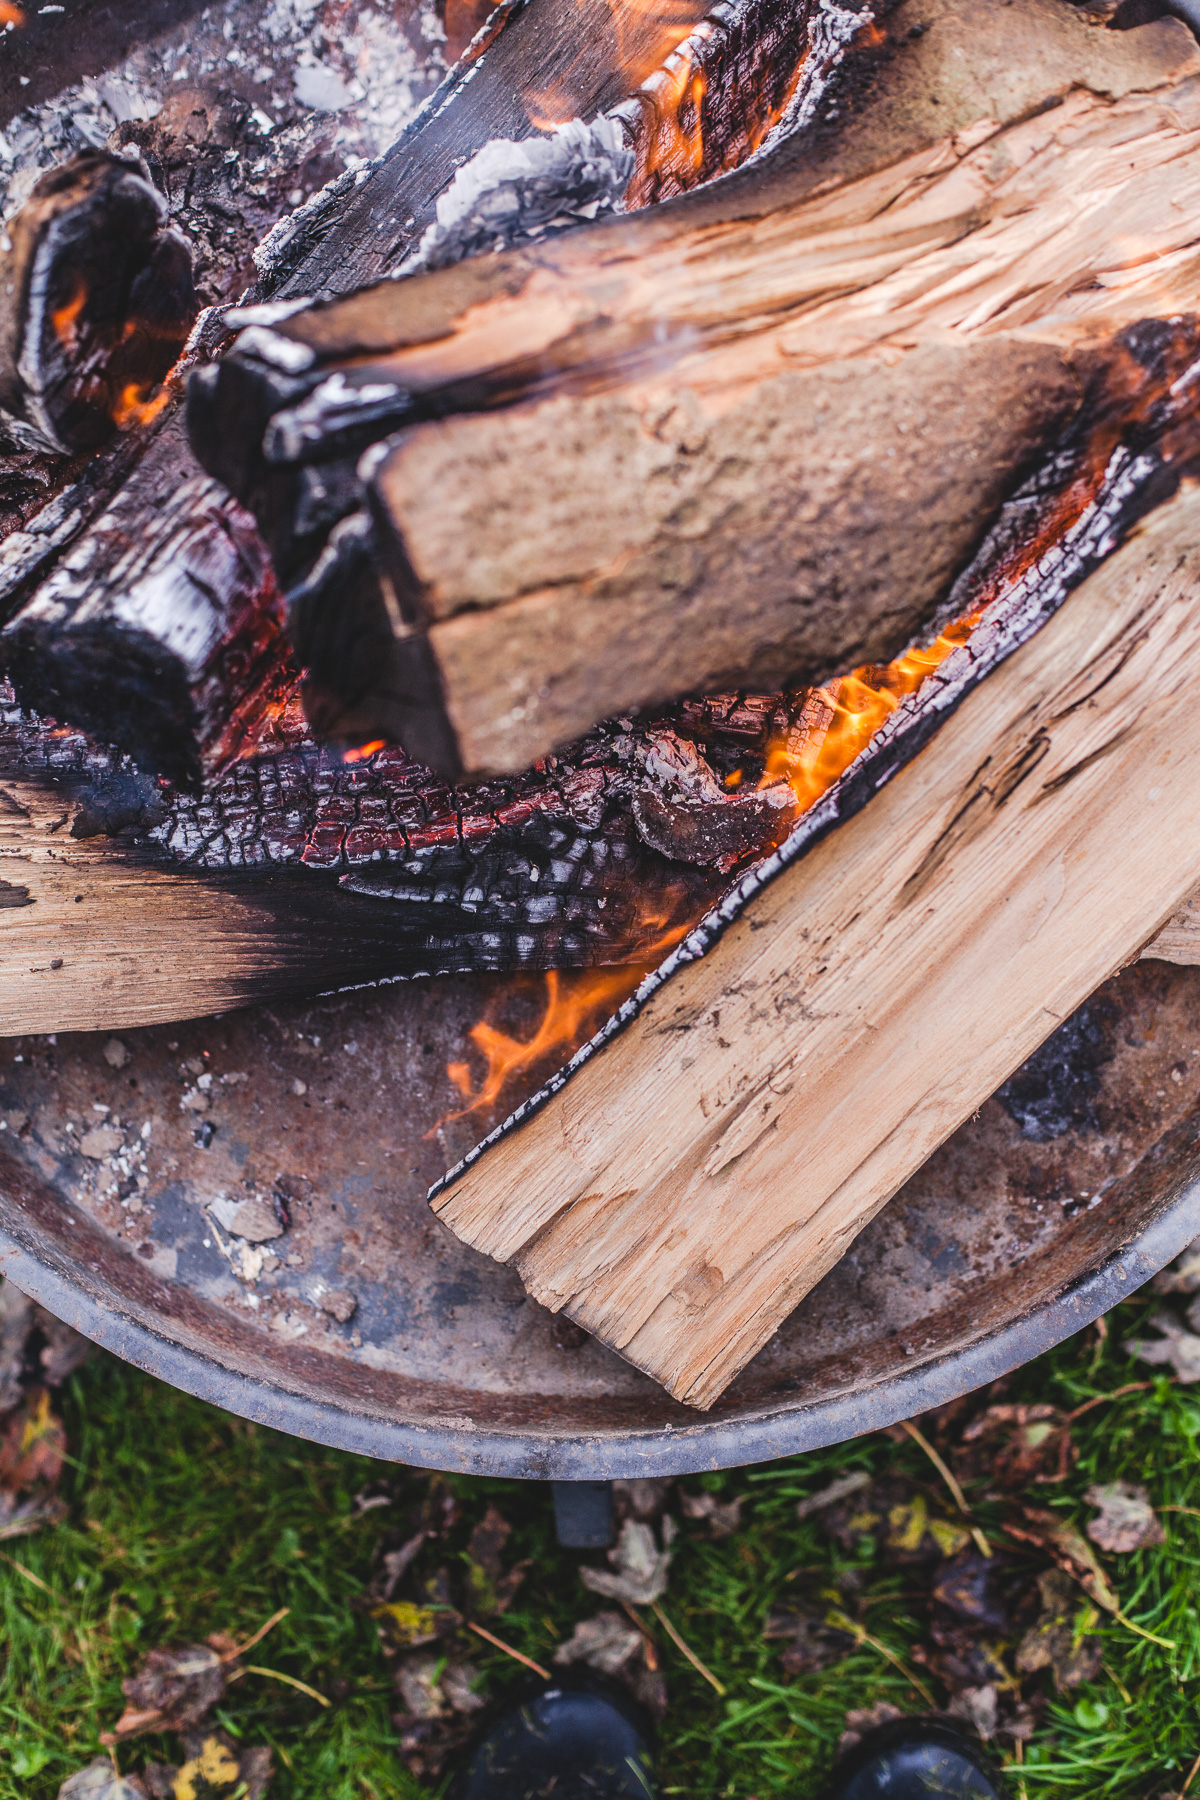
column 690, row 1185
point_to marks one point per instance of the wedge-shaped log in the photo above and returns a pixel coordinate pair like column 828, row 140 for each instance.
column 690, row 1184
column 753, row 435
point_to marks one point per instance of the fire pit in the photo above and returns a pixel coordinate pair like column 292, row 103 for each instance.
column 240, row 1204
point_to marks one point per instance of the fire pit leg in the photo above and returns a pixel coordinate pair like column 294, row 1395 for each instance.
column 583, row 1514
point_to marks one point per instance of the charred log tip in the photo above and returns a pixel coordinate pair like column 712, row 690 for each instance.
column 96, row 301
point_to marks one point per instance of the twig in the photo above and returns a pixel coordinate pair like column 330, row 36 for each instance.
column 1140, row 1631
column 1191, row 1777
column 649, row 1647
column 29, row 1575
column 1132, row 1387
column 1191, row 1511
column 261, row 1633
column 679, row 1644
column 843, row 1622
column 956, row 1492
column 276, row 1675
column 508, row 1650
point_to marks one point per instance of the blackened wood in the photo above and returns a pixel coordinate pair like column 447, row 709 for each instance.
column 96, row 300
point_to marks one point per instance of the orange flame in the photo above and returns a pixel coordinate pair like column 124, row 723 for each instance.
column 64, row 319
column 838, row 721
column 577, row 1002
column 11, row 15
column 136, row 405
column 364, row 751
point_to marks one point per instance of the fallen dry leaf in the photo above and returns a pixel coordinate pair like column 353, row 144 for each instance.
column 863, row 1719
column 640, row 1568
column 1062, row 1639
column 1011, row 1446
column 967, row 1587
column 809, row 1642
column 980, row 1707
column 172, row 1691
column 1126, row 1520
column 722, row 1518
column 1179, row 1348
column 1069, row 1550
column 490, row 1587
column 214, row 1768
column 99, row 1781
column 607, row 1643
column 33, row 1444
column 644, row 1498
column 1183, row 1276
column 18, row 1518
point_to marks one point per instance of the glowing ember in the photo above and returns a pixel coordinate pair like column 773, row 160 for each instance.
column 364, row 751
column 64, row 319
column 139, row 405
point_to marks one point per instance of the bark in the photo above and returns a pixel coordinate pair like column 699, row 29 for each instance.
column 683, row 1191
column 748, row 436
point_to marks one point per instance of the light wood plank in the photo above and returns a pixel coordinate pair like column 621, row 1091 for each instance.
column 690, row 1184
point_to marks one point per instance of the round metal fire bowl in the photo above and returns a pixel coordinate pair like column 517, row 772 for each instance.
column 1001, row 1247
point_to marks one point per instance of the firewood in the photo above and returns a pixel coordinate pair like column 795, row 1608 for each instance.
column 688, row 1185
column 752, row 435
column 141, row 676
column 96, row 299
column 1179, row 939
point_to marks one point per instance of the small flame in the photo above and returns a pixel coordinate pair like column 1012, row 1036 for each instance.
column 576, row 1003
column 11, row 15
column 64, row 319
column 138, row 405
column 839, row 720
column 364, row 751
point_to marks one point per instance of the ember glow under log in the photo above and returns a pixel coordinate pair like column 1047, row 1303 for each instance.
column 96, row 300
column 749, row 436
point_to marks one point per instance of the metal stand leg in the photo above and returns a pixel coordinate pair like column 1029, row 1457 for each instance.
column 583, row 1514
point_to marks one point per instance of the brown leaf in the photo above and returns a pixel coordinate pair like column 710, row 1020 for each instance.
column 99, row 1781
column 644, row 1498
column 1014, row 1445
column 722, row 1518
column 966, row 1587
column 1126, row 1520
column 640, row 1567
column 18, row 1518
column 1179, row 1348
column 608, row 1642
column 980, row 1707
column 490, row 1589
column 810, row 1642
column 173, row 1690
column 1069, row 1550
column 1062, row 1639
column 32, row 1445
column 64, row 1349
column 863, row 1719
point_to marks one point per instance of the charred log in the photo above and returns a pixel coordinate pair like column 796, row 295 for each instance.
column 96, row 300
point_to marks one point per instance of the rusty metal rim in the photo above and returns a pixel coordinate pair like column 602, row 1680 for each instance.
column 532, row 1455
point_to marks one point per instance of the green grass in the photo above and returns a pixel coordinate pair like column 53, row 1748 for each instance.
column 185, row 1521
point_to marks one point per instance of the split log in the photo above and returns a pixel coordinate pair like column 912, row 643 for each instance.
column 96, row 300
column 684, row 1189
column 754, row 434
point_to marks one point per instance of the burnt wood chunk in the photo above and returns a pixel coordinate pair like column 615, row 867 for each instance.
column 750, row 437
column 96, row 300
column 683, row 1190
column 161, row 629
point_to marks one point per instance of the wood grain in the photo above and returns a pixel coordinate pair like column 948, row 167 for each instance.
column 688, row 1186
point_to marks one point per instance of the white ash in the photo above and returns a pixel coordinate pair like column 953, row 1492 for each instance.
column 511, row 191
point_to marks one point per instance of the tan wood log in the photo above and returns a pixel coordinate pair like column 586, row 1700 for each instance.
column 755, row 433
column 693, row 1181
column 1179, row 939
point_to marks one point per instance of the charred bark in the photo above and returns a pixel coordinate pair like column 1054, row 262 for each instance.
column 96, row 300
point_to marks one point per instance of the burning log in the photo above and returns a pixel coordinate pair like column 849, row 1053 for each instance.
column 96, row 300
column 139, row 675
column 748, row 437
column 682, row 1192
